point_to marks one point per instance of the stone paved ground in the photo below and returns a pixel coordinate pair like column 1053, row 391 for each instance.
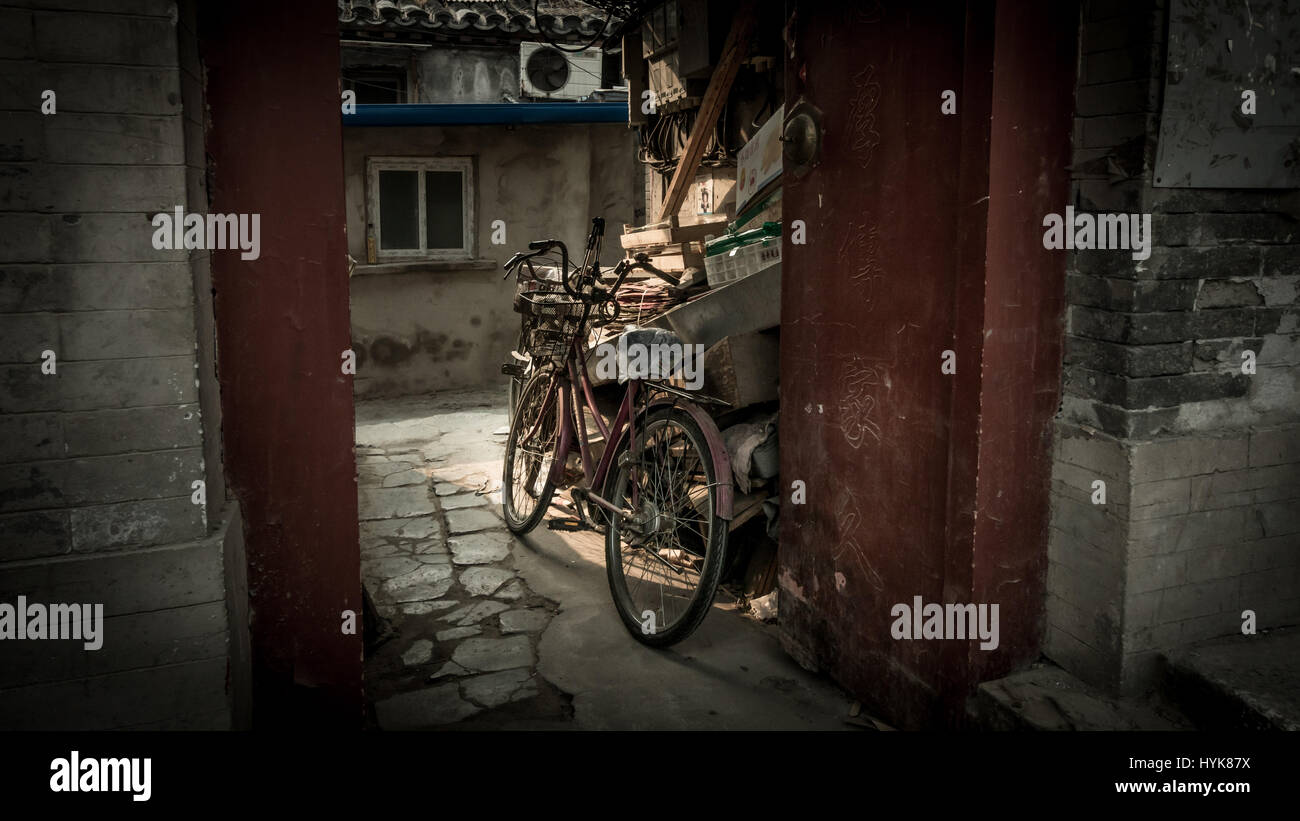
column 488, row 631
column 436, row 559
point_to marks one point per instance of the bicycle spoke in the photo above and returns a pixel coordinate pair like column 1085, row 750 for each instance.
column 529, row 451
column 674, row 503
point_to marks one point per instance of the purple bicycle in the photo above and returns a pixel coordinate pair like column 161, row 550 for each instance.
column 661, row 487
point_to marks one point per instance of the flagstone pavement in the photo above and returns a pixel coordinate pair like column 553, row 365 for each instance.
column 487, row 631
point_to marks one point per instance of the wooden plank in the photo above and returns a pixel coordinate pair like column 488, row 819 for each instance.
column 642, row 239
column 715, row 99
column 668, row 248
column 681, row 233
column 673, row 263
column 744, row 506
column 690, row 220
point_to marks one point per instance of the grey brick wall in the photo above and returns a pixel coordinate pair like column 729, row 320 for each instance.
column 97, row 460
column 1201, row 461
column 1195, row 529
column 101, row 454
column 1154, row 346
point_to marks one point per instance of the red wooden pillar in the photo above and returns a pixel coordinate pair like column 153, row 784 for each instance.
column 275, row 148
column 923, row 236
column 1032, row 110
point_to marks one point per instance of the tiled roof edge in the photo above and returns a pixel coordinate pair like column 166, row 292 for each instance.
column 481, row 17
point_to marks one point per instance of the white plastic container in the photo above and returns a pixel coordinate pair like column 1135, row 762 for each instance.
column 738, row 263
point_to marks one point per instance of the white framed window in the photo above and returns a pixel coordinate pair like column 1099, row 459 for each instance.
column 421, row 207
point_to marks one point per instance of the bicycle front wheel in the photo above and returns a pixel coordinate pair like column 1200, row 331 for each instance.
column 526, row 488
column 665, row 562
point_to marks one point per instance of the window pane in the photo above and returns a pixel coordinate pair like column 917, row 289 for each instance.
column 444, row 210
column 399, row 210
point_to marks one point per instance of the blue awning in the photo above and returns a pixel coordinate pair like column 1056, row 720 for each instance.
column 486, row 113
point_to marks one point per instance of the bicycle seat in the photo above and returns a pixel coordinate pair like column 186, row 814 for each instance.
column 633, row 335
column 660, row 350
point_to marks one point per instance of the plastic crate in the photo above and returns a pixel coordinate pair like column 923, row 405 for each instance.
column 736, row 256
column 739, row 261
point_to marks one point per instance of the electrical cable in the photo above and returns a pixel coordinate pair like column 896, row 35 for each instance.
column 769, row 102
column 538, row 23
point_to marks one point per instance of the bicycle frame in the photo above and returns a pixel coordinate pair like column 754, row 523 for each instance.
column 624, row 423
column 574, row 374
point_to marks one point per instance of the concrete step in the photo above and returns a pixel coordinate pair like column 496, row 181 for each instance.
column 1045, row 697
column 1239, row 682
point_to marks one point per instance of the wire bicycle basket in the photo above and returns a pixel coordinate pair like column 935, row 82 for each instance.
column 554, row 316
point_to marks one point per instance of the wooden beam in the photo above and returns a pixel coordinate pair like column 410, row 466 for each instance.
column 634, row 71
column 715, row 99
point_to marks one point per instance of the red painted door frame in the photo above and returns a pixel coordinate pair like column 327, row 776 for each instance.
column 923, row 236
column 274, row 142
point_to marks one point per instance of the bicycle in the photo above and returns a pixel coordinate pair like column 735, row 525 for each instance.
column 662, row 486
column 533, row 287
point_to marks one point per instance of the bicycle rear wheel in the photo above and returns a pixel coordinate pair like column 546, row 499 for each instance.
column 526, row 488
column 664, row 568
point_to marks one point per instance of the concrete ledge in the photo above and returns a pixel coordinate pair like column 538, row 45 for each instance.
column 180, row 696
column 425, row 266
column 1046, row 697
column 1239, row 683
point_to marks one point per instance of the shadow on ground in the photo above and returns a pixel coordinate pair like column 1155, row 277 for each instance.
column 486, row 631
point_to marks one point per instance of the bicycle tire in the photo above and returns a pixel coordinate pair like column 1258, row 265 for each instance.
column 530, row 405
column 715, row 548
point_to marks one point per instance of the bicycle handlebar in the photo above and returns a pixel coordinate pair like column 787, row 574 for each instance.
column 590, row 270
column 539, row 247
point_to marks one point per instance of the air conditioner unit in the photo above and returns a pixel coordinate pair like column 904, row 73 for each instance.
column 548, row 73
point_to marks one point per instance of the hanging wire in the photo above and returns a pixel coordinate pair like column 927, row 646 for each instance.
column 400, row 90
column 661, row 143
column 538, row 23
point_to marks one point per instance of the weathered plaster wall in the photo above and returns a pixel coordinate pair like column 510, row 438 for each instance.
column 442, row 325
column 445, row 74
column 455, row 75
